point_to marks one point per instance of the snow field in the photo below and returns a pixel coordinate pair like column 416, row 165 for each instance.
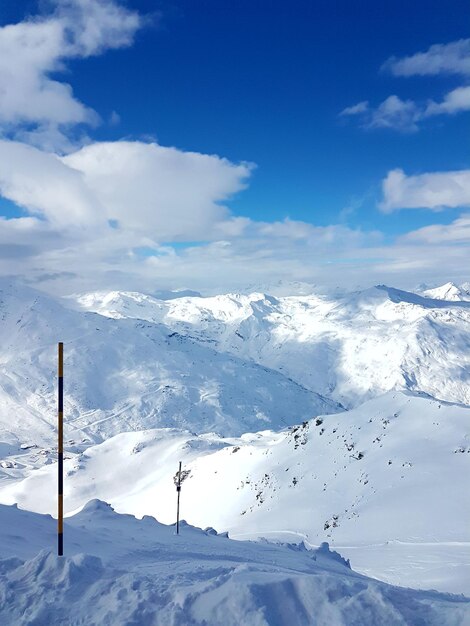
column 120, row 571
column 386, row 474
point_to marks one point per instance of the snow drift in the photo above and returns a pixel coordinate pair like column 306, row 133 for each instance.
column 120, row 571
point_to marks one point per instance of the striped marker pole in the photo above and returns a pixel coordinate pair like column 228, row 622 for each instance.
column 60, row 449
column 178, row 491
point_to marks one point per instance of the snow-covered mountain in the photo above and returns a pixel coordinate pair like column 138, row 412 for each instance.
column 378, row 482
column 120, row 571
column 450, row 292
column 381, row 481
column 127, row 374
column 230, row 363
column 349, row 348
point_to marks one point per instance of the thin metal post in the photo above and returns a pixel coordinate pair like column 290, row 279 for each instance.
column 60, row 450
column 178, row 491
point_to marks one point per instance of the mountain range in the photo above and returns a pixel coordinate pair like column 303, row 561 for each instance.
column 338, row 417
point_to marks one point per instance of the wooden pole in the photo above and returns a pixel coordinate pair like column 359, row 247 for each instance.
column 60, row 450
column 178, row 491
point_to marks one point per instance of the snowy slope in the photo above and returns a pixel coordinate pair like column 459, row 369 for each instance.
column 450, row 292
column 347, row 347
column 126, row 374
column 120, row 571
column 384, row 482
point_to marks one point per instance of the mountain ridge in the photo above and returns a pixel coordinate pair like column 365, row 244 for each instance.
column 129, row 374
column 348, row 348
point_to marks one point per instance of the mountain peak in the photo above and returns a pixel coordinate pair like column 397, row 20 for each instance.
column 449, row 292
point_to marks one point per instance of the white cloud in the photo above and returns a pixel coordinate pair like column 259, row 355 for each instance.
column 396, row 114
column 34, row 105
column 131, row 192
column 44, row 186
column 356, row 109
column 166, row 193
column 152, row 194
column 304, row 233
column 66, row 243
column 434, row 191
column 454, row 102
column 393, row 113
column 98, row 217
column 450, row 58
column 93, row 26
column 231, row 265
column 406, row 115
column 68, row 259
column 291, row 229
column 457, row 232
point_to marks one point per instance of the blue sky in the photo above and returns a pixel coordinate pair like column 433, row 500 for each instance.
column 265, row 81
column 273, row 84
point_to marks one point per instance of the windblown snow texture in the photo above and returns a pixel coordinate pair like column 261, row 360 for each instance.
column 120, row 571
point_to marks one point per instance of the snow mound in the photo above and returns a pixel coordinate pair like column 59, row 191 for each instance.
column 154, row 577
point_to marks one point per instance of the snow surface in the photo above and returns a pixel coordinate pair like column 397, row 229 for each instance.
column 383, row 479
column 450, row 292
column 120, row 571
column 249, row 392
column 127, row 374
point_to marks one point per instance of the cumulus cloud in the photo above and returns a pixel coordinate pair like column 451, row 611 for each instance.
column 144, row 192
column 434, row 191
column 106, row 217
column 230, row 265
column 170, row 194
column 67, row 259
column 450, row 58
column 304, row 233
column 112, row 204
column 35, row 106
column 42, row 184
